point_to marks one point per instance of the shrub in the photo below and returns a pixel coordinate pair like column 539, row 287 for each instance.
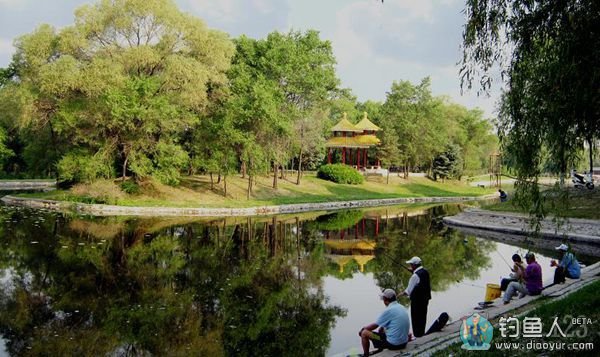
column 340, row 173
column 130, row 187
column 100, row 191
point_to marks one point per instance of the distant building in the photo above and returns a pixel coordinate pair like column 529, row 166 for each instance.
column 354, row 142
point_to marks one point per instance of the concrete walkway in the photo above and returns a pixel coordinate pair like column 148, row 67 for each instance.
column 430, row 344
column 581, row 230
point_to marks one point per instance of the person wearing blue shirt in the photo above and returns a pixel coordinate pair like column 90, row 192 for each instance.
column 393, row 326
column 568, row 267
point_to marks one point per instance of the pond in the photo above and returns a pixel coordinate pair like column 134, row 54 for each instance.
column 287, row 285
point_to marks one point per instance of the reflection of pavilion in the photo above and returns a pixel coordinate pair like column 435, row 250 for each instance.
column 343, row 252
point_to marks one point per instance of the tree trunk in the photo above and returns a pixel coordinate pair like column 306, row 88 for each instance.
column 225, row 185
column 275, row 173
column 212, row 182
column 219, row 178
column 299, row 167
column 243, row 169
column 249, row 187
column 591, row 144
column 387, row 182
column 125, row 167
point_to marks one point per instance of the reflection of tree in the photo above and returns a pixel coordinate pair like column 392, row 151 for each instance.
column 445, row 253
column 209, row 289
column 270, row 312
column 337, row 220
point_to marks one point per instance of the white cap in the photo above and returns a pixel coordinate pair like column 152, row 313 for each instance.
column 414, row 260
column 388, row 294
column 562, row 247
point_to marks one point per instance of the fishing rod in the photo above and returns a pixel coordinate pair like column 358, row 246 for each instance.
column 471, row 284
column 396, row 262
column 501, row 256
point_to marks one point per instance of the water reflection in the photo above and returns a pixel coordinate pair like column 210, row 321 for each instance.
column 234, row 287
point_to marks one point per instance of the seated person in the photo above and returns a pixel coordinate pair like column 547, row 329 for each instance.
column 567, row 267
column 532, row 284
column 517, row 272
column 393, row 326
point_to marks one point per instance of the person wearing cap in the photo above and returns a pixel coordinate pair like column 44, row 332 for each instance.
column 568, row 266
column 419, row 292
column 532, row 284
column 393, row 326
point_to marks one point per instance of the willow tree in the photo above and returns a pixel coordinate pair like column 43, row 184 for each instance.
column 119, row 86
column 552, row 71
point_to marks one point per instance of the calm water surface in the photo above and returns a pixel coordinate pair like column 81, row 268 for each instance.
column 290, row 285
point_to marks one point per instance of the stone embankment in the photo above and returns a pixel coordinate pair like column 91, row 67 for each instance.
column 112, row 210
column 582, row 234
column 24, row 185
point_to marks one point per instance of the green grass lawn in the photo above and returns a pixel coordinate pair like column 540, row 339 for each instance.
column 195, row 191
column 582, row 303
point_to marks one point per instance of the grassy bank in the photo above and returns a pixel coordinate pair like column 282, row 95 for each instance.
column 582, row 204
column 196, row 191
column 582, row 303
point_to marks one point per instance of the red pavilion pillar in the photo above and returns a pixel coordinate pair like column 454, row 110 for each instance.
column 366, row 162
column 329, row 155
column 358, row 159
column 343, row 155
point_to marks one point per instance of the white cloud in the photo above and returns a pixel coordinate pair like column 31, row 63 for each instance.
column 6, row 47
column 224, row 10
column 263, row 6
column 231, row 10
column 12, row 4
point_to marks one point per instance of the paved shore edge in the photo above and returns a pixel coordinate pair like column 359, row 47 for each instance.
column 17, row 185
column 463, row 220
column 112, row 210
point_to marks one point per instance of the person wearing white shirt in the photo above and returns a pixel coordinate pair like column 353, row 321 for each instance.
column 419, row 291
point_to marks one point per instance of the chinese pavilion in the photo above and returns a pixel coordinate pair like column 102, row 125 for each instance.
column 354, row 141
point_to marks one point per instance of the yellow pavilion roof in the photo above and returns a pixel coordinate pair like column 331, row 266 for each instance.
column 366, row 124
column 350, row 244
column 346, row 125
column 359, row 141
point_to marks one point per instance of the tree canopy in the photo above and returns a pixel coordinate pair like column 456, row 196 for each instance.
column 138, row 89
column 118, row 87
column 552, row 103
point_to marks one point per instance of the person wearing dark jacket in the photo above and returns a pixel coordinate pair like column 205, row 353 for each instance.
column 419, row 291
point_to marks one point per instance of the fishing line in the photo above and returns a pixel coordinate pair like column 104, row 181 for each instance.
column 397, row 262
column 471, row 284
column 501, row 256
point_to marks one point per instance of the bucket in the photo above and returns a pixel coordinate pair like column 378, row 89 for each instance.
column 492, row 292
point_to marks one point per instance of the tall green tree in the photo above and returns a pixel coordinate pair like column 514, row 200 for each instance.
column 278, row 85
column 120, row 86
column 551, row 104
column 388, row 151
column 413, row 113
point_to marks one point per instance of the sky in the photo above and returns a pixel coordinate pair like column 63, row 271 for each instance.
column 374, row 43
